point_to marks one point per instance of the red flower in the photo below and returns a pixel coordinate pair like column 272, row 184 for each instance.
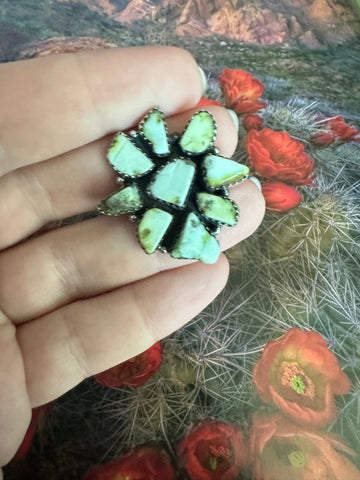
column 280, row 197
column 141, row 463
column 300, row 374
column 342, row 130
column 135, row 371
column 277, row 155
column 206, row 101
column 213, row 451
column 241, row 90
column 37, row 419
column 282, row 450
column 323, row 138
column 253, row 122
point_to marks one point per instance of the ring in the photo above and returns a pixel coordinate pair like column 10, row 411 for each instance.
column 174, row 187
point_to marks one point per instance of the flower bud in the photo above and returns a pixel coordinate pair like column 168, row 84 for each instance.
column 133, row 372
column 280, row 197
column 342, row 131
column 253, row 122
column 323, row 138
column 206, row 101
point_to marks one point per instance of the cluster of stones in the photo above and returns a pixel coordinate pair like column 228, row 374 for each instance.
column 174, row 187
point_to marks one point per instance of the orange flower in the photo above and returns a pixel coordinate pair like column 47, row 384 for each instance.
column 141, row 463
column 253, row 122
column 323, row 138
column 241, row 90
column 135, row 371
column 300, row 374
column 280, row 197
column 206, row 101
column 277, row 155
column 342, row 130
column 213, row 451
column 281, row 450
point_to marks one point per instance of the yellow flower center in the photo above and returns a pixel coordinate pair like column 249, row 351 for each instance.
column 219, row 453
column 298, row 384
column 213, row 463
column 297, row 459
column 294, row 377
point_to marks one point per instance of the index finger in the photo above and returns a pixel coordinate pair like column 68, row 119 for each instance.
column 51, row 105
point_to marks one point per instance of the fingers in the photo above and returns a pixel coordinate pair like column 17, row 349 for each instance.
column 89, row 336
column 57, row 103
column 93, row 257
column 252, row 209
column 101, row 254
column 76, row 181
column 15, row 411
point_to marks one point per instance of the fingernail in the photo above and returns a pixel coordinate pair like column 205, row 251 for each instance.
column 3, row 319
column 234, row 117
column 256, row 181
column 203, row 80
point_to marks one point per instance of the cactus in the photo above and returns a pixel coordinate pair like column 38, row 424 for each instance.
column 298, row 270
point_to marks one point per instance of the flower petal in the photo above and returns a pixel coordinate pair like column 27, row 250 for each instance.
column 280, row 197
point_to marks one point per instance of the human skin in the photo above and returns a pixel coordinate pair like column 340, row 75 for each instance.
column 82, row 298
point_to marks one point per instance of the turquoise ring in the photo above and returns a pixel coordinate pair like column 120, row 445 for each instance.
column 174, row 186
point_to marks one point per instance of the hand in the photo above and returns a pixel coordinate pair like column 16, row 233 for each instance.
column 79, row 299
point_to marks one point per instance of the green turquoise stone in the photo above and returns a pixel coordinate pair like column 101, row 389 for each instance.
column 152, row 228
column 196, row 242
column 154, row 129
column 173, row 182
column 217, row 208
column 221, row 171
column 200, row 133
column 127, row 159
column 128, row 200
